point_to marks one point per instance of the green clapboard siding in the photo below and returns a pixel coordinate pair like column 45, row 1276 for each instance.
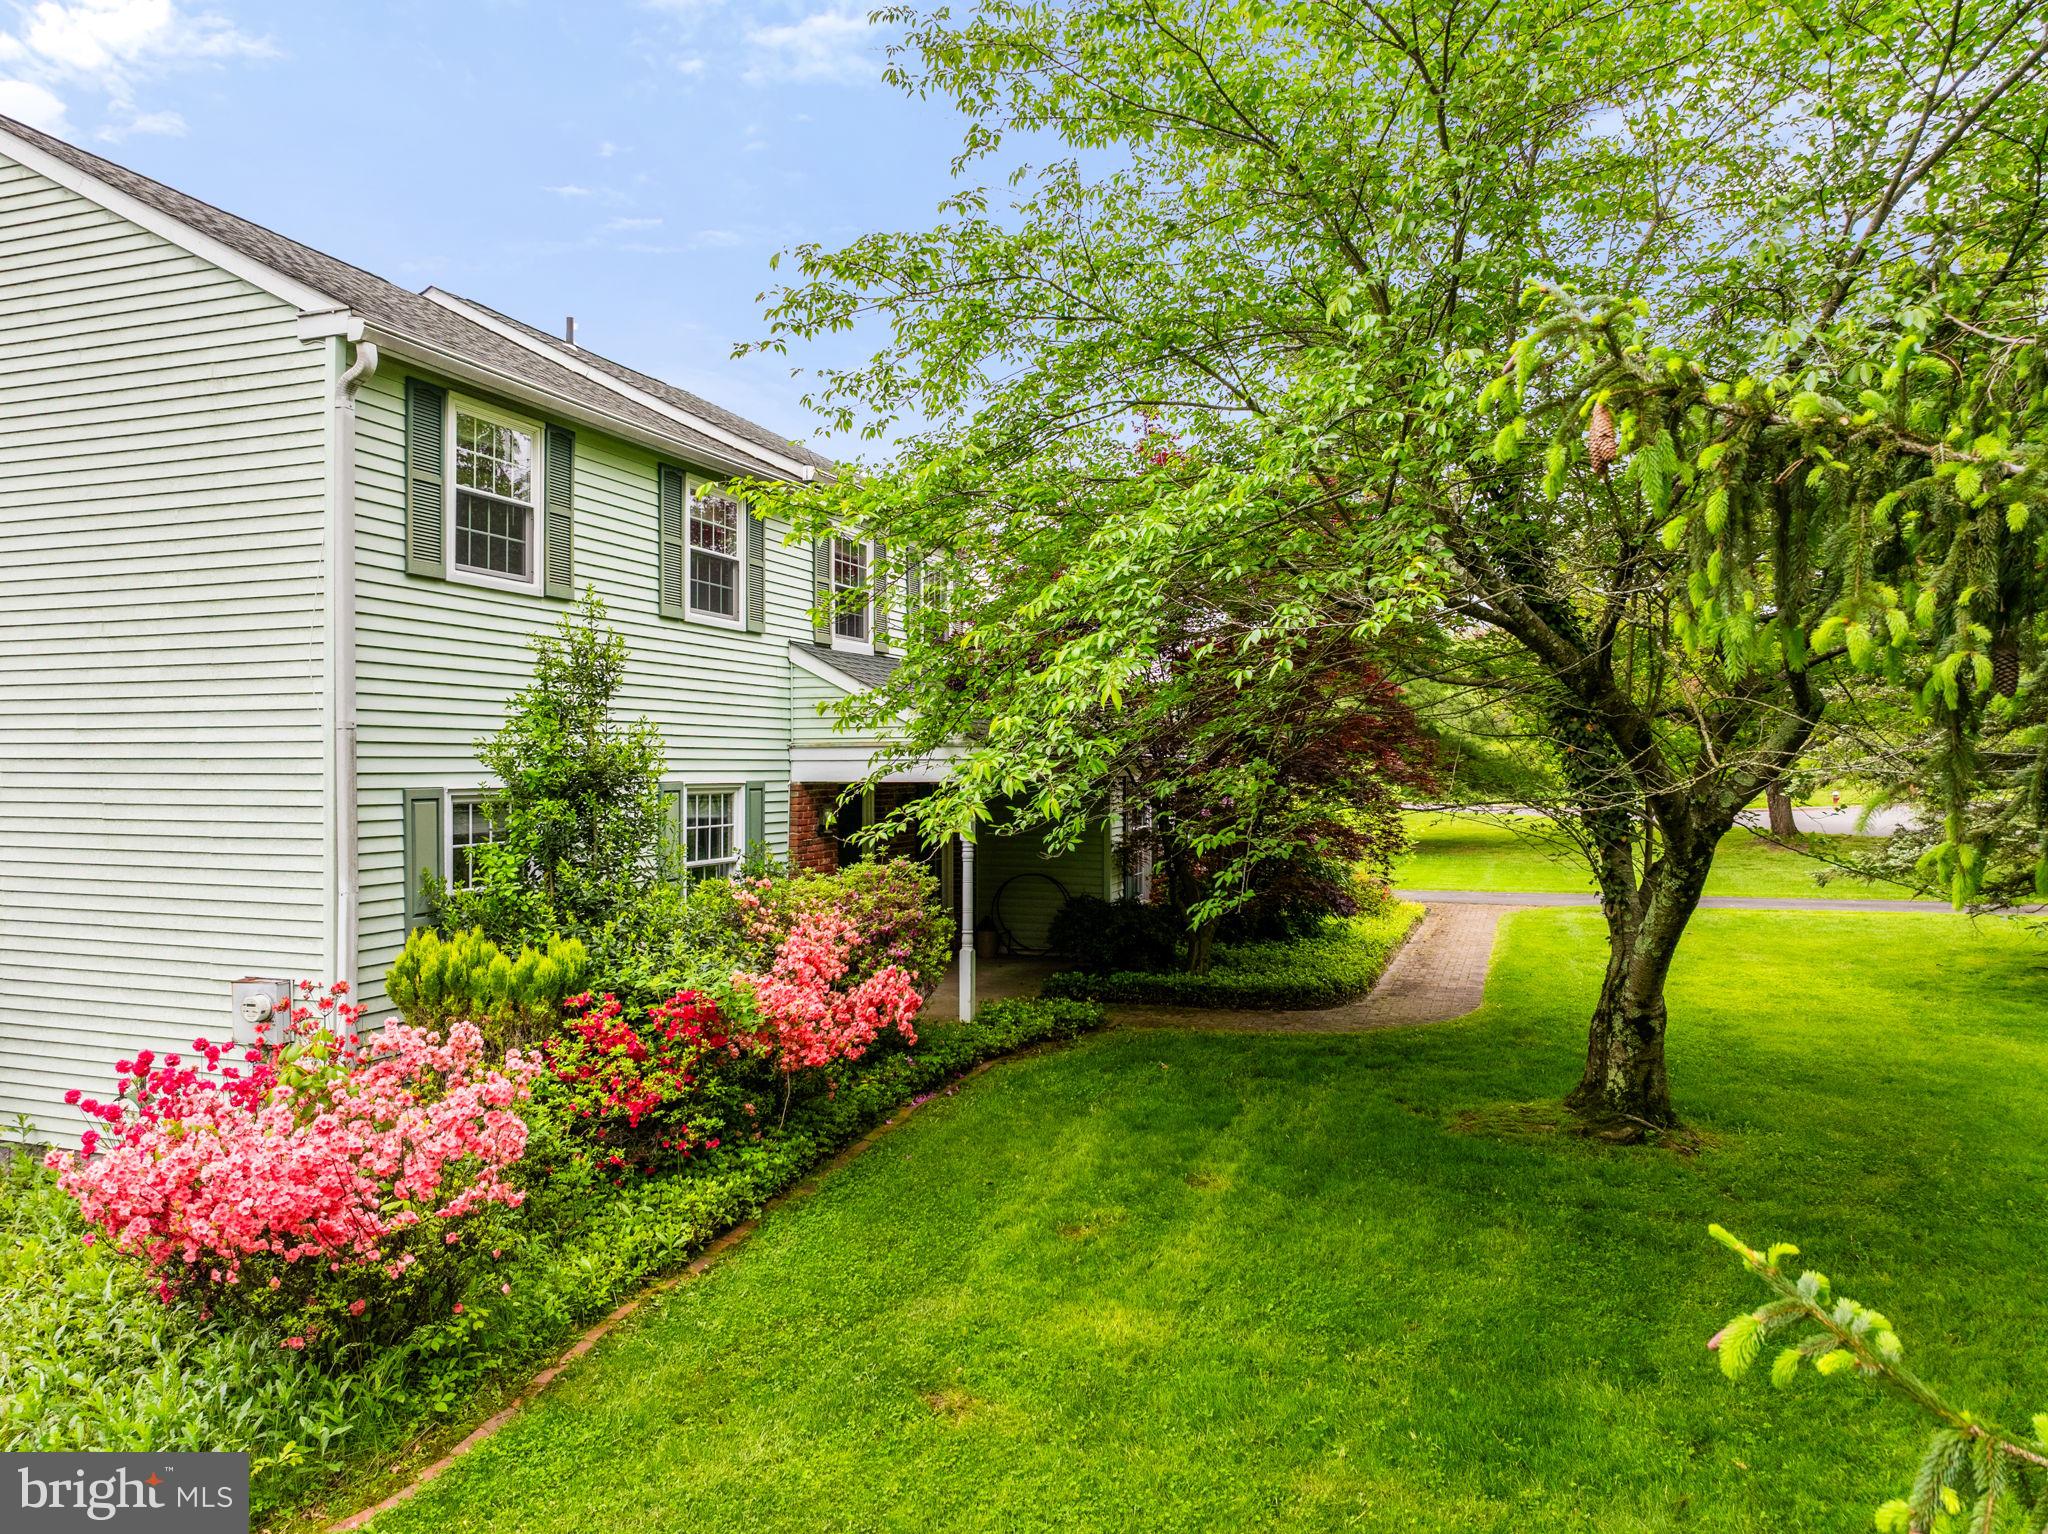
column 162, row 519
column 1031, row 901
column 436, row 660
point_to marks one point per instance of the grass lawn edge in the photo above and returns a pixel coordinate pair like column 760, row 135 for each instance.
column 449, row 1443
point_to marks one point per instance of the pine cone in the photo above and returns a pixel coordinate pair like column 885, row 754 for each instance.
column 2005, row 665
column 1602, row 445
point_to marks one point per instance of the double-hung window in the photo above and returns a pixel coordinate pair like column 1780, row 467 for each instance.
column 468, row 829
column 852, row 599
column 717, row 521
column 711, row 843
column 496, row 488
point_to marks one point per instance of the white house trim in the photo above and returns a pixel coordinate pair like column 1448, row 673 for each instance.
column 397, row 343
column 853, row 762
column 554, row 354
column 176, row 230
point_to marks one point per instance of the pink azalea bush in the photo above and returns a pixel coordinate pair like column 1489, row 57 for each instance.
column 807, row 1017
column 323, row 1185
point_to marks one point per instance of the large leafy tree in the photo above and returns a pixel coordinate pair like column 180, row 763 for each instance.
column 1669, row 371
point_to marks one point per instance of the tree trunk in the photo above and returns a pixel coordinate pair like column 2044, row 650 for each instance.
column 1783, row 825
column 1202, row 948
column 1624, row 1084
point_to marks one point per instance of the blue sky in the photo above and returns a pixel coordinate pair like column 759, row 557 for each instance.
column 633, row 162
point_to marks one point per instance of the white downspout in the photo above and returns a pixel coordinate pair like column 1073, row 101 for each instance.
column 344, row 852
column 966, row 929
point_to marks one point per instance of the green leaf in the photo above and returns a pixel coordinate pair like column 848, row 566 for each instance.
column 1785, row 1367
column 1835, row 1362
column 1739, row 1343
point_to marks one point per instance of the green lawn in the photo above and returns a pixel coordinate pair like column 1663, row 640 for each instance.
column 1461, row 853
column 1220, row 1282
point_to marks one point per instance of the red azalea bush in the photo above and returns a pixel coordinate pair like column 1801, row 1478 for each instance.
column 322, row 1185
column 637, row 1088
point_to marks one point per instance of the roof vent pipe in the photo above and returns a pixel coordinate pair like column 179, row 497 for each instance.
column 569, row 330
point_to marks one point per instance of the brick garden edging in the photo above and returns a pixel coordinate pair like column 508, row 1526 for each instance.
column 717, row 1247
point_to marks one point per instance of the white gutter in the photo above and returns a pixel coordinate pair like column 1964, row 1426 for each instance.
column 795, row 468
column 344, row 904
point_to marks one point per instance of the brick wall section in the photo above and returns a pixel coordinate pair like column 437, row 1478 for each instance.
column 809, row 850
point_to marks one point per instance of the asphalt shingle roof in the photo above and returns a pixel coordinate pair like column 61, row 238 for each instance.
column 409, row 315
column 862, row 670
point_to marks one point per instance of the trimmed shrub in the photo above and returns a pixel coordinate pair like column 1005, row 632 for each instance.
column 1337, row 965
column 1104, row 936
column 437, row 982
column 1292, row 900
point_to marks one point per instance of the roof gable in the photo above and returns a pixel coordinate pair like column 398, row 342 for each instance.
column 318, row 282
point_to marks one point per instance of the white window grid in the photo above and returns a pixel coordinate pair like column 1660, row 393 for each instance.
column 711, row 842
column 469, row 827
column 717, row 524
column 850, row 573
column 494, row 522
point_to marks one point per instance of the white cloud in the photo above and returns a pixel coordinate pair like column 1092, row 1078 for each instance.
column 568, row 190
column 607, row 149
column 166, row 124
column 27, row 102
column 112, row 50
column 834, row 46
column 633, row 223
column 690, row 66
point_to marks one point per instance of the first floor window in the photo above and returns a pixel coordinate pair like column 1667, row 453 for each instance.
column 494, row 485
column 469, row 828
column 849, row 576
column 710, row 842
column 715, row 524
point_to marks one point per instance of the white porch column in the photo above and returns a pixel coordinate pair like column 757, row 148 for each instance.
column 966, row 930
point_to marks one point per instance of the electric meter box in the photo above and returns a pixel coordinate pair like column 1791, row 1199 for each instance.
column 264, row 1004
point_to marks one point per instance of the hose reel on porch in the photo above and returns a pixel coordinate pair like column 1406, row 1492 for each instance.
column 1006, row 933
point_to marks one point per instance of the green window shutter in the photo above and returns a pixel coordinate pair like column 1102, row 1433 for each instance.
column 878, row 584
column 674, row 541
column 821, row 591
column 559, row 538
column 672, row 826
column 426, row 469
column 756, row 840
column 757, row 573
column 424, row 839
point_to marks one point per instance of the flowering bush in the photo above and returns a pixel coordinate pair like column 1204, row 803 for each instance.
column 315, row 1183
column 806, row 1018
column 635, row 1088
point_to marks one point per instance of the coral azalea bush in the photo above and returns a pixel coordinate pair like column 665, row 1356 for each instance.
column 316, row 1183
column 807, row 1018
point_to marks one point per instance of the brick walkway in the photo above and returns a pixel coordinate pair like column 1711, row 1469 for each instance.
column 1439, row 974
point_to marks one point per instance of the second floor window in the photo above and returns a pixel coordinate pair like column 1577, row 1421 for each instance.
column 495, row 489
column 716, row 521
column 850, row 575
